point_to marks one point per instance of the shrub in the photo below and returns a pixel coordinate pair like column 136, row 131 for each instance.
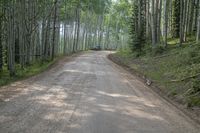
column 158, row 50
column 196, row 85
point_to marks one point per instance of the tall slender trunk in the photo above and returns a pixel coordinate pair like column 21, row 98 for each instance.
column 11, row 38
column 198, row 26
column 22, row 32
column 78, row 25
column 1, row 48
column 54, row 29
column 147, row 18
column 196, row 16
column 74, row 49
column 153, row 25
column 170, row 20
column 47, row 35
column 101, row 19
column 191, row 19
column 159, row 21
column 186, row 17
column 181, row 21
column 65, row 28
column 165, row 31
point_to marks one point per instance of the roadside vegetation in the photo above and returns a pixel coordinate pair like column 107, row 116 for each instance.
column 35, row 68
column 34, row 33
column 175, row 71
column 159, row 38
column 164, row 47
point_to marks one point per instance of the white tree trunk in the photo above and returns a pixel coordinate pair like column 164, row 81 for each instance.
column 198, row 26
column 165, row 22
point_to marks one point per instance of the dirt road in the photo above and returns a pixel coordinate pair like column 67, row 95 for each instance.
column 88, row 94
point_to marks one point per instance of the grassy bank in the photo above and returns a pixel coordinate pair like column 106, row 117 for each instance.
column 33, row 69
column 176, row 70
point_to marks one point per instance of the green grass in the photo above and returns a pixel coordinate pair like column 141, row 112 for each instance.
column 125, row 53
column 172, row 41
column 33, row 69
column 175, row 71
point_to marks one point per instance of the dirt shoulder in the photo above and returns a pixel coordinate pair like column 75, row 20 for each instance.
column 192, row 112
column 17, row 86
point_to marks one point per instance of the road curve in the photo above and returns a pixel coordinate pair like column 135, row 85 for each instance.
column 87, row 94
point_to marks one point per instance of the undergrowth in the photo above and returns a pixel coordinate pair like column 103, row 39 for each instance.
column 28, row 71
column 175, row 69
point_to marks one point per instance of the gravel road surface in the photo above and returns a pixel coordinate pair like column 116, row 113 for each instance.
column 87, row 94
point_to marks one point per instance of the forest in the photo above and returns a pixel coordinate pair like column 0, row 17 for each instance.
column 34, row 32
column 162, row 35
column 164, row 46
column 99, row 66
column 156, row 21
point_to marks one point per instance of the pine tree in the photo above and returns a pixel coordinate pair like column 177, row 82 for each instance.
column 137, row 28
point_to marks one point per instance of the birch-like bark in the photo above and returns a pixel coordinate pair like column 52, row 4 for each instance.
column 198, row 26
column 54, row 29
column 153, row 24
column 165, row 31
column 11, row 38
column 1, row 46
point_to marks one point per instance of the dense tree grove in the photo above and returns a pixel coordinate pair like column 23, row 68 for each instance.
column 138, row 26
column 164, row 19
column 33, row 30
